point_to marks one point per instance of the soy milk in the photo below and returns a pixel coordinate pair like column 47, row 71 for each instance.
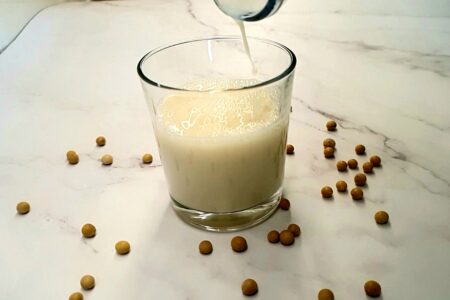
column 223, row 151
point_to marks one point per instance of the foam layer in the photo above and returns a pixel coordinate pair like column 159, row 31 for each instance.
column 218, row 112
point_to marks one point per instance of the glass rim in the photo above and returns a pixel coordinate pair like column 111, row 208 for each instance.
column 273, row 79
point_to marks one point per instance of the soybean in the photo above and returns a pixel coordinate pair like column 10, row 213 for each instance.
column 23, row 208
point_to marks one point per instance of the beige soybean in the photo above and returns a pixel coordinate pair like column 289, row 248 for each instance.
column 72, row 157
column 352, row 163
column 375, row 160
column 372, row 289
column 328, row 152
column 76, row 296
column 70, row 153
column 325, row 294
column 147, row 158
column 341, row 166
column 284, row 204
column 107, row 159
column 341, row 186
column 205, row 247
column 295, row 229
column 238, row 244
column 23, row 208
column 249, row 287
column 273, row 236
column 329, row 143
column 100, row 141
column 360, row 149
column 367, row 167
column 287, row 238
column 289, row 149
column 331, row 125
column 88, row 230
column 357, row 193
column 360, row 179
column 381, row 217
column 326, row 192
column 122, row 247
column 87, row 282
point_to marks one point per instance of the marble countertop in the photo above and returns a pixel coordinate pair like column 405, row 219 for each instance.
column 14, row 15
column 380, row 69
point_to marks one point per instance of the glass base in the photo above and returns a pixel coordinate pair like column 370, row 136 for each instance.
column 227, row 222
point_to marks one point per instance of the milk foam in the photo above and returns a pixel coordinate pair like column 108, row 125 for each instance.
column 218, row 113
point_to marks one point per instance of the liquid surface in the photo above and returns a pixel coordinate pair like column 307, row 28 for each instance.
column 219, row 113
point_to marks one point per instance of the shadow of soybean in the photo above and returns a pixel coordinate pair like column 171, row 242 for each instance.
column 376, row 298
column 386, row 226
column 360, row 203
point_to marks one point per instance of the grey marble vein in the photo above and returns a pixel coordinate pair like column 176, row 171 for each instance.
column 191, row 13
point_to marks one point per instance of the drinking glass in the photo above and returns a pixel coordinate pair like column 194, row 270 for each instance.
column 221, row 122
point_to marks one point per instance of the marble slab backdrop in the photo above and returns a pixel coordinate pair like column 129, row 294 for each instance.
column 14, row 16
column 379, row 68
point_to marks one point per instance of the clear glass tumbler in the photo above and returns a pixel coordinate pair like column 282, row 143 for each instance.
column 221, row 122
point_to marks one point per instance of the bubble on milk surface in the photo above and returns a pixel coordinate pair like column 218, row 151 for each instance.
column 220, row 108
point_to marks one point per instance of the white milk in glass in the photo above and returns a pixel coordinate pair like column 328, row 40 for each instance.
column 222, row 151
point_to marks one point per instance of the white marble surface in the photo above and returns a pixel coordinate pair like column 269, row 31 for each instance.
column 15, row 14
column 381, row 69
